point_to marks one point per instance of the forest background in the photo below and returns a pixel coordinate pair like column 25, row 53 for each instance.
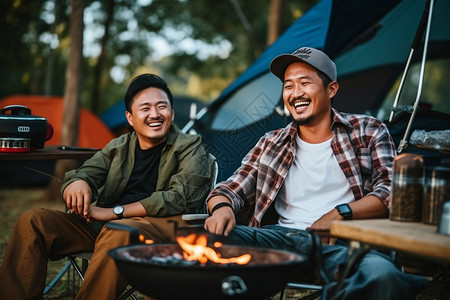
column 88, row 50
column 198, row 46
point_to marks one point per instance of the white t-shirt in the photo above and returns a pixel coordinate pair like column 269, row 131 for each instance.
column 314, row 185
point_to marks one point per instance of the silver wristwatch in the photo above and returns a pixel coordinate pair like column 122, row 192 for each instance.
column 118, row 210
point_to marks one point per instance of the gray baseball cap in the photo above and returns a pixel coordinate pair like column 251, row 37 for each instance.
column 314, row 57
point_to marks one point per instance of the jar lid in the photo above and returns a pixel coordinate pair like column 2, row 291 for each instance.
column 409, row 163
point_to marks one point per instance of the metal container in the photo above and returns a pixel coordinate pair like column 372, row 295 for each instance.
column 437, row 191
column 444, row 224
column 17, row 122
column 15, row 145
column 407, row 188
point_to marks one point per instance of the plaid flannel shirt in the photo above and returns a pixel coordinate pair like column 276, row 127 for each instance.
column 363, row 148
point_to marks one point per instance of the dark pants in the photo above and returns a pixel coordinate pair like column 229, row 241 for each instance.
column 375, row 277
column 42, row 234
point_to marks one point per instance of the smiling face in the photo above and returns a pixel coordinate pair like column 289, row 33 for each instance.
column 308, row 101
column 151, row 116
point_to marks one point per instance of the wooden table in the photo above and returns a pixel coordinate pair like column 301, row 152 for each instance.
column 49, row 153
column 415, row 238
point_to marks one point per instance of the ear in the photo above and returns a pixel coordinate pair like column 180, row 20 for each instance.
column 129, row 117
column 173, row 115
column 333, row 87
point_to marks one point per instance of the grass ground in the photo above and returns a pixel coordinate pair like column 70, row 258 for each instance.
column 14, row 201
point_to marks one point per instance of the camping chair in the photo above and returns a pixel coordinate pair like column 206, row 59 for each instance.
column 80, row 270
column 86, row 256
column 198, row 219
column 319, row 278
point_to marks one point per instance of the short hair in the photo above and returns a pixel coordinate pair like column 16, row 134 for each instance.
column 142, row 82
column 325, row 79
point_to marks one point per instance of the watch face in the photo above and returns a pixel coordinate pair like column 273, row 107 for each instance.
column 345, row 209
column 118, row 210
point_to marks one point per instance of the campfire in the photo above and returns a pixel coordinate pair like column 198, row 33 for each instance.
column 195, row 249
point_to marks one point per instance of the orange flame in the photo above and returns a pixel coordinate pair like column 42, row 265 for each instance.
column 196, row 249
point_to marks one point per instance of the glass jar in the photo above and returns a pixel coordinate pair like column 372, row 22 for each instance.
column 407, row 188
column 444, row 223
column 437, row 191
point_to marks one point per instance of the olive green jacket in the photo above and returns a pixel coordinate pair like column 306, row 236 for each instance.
column 184, row 177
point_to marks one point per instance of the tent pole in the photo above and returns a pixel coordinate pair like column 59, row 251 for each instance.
column 414, row 46
column 400, row 87
column 189, row 125
column 404, row 142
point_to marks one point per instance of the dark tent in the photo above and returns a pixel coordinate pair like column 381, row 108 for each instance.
column 369, row 41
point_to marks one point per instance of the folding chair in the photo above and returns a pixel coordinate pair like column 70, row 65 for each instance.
column 198, row 219
column 319, row 279
column 86, row 256
column 80, row 270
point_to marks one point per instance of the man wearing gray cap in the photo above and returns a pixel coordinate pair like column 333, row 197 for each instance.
column 324, row 166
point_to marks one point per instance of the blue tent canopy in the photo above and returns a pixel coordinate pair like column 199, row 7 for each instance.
column 311, row 28
column 325, row 26
column 369, row 41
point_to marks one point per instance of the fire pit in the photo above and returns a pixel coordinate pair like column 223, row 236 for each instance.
column 159, row 271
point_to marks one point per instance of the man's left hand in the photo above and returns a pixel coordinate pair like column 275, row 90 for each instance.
column 322, row 226
column 100, row 214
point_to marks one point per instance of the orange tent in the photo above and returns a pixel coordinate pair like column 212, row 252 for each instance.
column 93, row 132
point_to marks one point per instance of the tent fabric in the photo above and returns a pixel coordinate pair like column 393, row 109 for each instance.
column 93, row 133
column 369, row 41
column 312, row 30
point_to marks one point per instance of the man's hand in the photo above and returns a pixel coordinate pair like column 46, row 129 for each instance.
column 222, row 220
column 322, row 226
column 77, row 196
column 101, row 214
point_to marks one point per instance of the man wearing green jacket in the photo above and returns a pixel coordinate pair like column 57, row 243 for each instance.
column 142, row 179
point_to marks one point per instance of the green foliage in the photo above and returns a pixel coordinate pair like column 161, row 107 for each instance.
column 35, row 42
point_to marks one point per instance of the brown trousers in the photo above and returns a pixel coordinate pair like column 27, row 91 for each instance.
column 42, row 234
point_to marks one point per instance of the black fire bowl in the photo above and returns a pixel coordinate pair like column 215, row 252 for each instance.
column 265, row 275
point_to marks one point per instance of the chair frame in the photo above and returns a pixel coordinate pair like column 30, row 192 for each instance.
column 86, row 256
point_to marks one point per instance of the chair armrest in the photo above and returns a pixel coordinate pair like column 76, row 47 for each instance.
column 134, row 233
column 194, row 217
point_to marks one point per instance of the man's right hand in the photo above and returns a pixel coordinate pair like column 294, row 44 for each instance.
column 223, row 220
column 77, row 196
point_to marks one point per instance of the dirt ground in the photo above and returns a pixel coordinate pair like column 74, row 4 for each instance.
column 13, row 201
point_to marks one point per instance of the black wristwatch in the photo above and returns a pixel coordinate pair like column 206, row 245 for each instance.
column 345, row 211
column 118, row 210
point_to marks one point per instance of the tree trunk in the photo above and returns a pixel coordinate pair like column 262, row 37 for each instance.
column 48, row 87
column 72, row 97
column 98, row 69
column 273, row 32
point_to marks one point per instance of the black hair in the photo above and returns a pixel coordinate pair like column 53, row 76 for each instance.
column 325, row 79
column 142, row 82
